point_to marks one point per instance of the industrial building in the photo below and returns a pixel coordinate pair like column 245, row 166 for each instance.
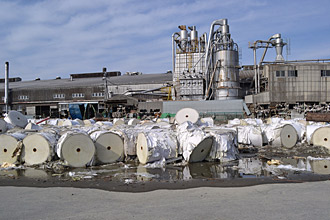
column 94, row 94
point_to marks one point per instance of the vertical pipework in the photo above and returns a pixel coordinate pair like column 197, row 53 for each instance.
column 7, row 85
column 255, row 70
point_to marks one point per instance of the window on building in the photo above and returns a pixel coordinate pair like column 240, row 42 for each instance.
column 23, row 97
column 293, row 73
column 78, row 95
column 280, row 73
column 325, row 73
column 59, row 96
column 98, row 94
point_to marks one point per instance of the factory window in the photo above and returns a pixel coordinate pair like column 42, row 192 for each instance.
column 325, row 73
column 23, row 97
column 78, row 95
column 59, row 96
column 280, row 73
column 293, row 73
column 98, row 94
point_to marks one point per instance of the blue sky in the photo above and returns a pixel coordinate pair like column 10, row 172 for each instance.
column 55, row 38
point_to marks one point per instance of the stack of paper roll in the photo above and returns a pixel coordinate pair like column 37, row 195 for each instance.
column 9, row 144
column 186, row 114
column 155, row 145
column 76, row 149
column 224, row 147
column 109, row 146
column 3, row 126
column 321, row 137
column 17, row 119
column 39, row 148
column 195, row 144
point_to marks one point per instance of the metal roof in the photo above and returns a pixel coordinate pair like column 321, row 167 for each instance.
column 88, row 82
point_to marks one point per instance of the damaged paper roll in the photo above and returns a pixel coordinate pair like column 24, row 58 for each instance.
column 75, row 148
column 16, row 118
column 133, row 122
column 321, row 137
column 118, row 121
column 186, row 114
column 109, row 146
column 89, row 122
column 194, row 143
column 38, row 148
column 249, row 135
column 10, row 147
column 155, row 145
column 224, row 147
column 32, row 126
column 70, row 123
column 3, row 126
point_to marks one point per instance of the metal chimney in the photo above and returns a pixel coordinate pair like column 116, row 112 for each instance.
column 7, row 86
column 279, row 48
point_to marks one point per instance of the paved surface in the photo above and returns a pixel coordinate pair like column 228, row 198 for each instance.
column 273, row 201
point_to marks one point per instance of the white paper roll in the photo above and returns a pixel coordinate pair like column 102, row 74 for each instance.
column 118, row 121
column 201, row 151
column 321, row 137
column 89, row 122
column 187, row 114
column 310, row 129
column 76, row 149
column 70, row 123
column 289, row 136
column 8, row 145
column 156, row 145
column 38, row 148
column 109, row 146
column 3, row 126
column 16, row 118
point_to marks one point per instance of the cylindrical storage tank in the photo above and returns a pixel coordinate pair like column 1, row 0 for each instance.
column 8, row 145
column 76, row 149
column 226, row 79
column 289, row 136
column 186, row 114
column 109, row 146
column 3, row 126
column 321, row 137
column 38, row 148
column 155, row 145
column 194, row 143
column 17, row 119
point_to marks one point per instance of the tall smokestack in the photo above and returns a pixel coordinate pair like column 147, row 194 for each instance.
column 7, row 85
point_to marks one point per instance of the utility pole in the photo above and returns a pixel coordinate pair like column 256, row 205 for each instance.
column 7, row 86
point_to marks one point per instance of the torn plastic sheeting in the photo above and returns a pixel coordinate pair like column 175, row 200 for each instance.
column 249, row 135
column 156, row 145
column 190, row 137
column 224, row 147
column 272, row 133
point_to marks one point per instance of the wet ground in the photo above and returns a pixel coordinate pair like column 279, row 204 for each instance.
column 250, row 169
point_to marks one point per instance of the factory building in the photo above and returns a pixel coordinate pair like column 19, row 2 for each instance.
column 84, row 95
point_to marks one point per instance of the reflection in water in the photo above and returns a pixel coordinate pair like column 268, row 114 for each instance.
column 131, row 172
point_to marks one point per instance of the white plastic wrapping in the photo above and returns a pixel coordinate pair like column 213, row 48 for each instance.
column 194, row 143
column 3, row 126
column 249, row 135
column 32, row 126
column 156, row 145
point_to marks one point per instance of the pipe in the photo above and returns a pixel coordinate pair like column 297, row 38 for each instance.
column 173, row 51
column 220, row 22
column 7, row 86
column 255, row 70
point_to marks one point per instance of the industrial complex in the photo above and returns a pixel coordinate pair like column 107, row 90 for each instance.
column 206, row 76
